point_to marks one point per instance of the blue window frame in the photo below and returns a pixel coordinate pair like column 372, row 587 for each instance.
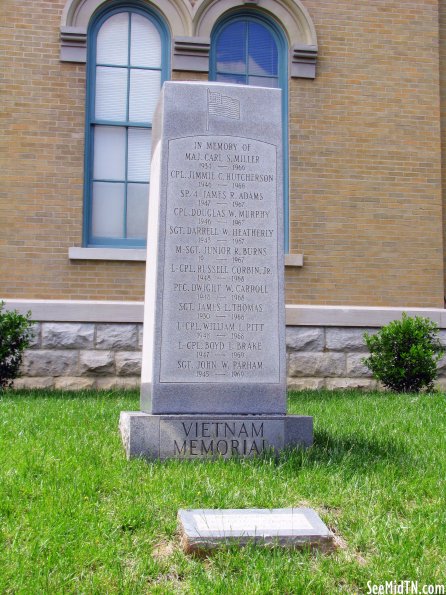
column 249, row 48
column 127, row 65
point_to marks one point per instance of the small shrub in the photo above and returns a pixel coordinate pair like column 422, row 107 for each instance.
column 15, row 336
column 404, row 354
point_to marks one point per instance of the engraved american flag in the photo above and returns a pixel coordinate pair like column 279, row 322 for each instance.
column 222, row 105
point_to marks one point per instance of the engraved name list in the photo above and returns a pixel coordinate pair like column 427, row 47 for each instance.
column 220, row 268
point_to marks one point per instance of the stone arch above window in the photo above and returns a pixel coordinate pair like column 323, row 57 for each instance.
column 77, row 15
column 191, row 25
column 291, row 15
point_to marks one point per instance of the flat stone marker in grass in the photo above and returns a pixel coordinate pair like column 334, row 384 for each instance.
column 204, row 530
column 214, row 365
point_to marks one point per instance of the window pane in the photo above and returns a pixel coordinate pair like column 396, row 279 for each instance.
column 145, row 49
column 262, row 51
column 127, row 63
column 140, row 146
column 239, row 79
column 108, row 210
column 111, row 93
column 231, row 48
column 109, row 153
column 137, row 207
column 112, row 41
column 144, row 92
column 263, row 81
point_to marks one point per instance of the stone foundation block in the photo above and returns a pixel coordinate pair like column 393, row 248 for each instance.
column 440, row 383
column 304, row 338
column 116, row 337
column 36, row 336
column 441, row 366
column 77, row 383
column 128, row 363
column 354, row 383
column 46, row 363
column 98, row 363
column 355, row 367
column 305, row 383
column 204, row 436
column 346, row 339
column 140, row 335
column 114, row 382
column 70, row 335
column 316, row 364
column 34, row 382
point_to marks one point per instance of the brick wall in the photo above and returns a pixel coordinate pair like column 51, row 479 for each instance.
column 442, row 9
column 365, row 159
column 365, row 197
column 42, row 127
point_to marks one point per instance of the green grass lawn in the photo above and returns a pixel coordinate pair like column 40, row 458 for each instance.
column 77, row 517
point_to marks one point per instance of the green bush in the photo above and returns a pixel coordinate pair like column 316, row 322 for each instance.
column 404, row 354
column 15, row 336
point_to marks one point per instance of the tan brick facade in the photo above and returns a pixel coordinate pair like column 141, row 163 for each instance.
column 365, row 160
column 442, row 11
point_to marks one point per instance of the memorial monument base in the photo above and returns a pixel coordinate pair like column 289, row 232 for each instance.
column 204, row 436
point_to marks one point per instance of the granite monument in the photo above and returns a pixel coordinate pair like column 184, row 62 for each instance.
column 214, row 363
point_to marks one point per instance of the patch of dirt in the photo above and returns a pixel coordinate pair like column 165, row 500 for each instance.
column 341, row 544
column 163, row 550
column 335, row 511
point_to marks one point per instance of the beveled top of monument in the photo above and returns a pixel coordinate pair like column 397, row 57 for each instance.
column 214, row 327
column 210, row 108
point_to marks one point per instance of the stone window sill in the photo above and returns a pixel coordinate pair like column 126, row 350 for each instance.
column 130, row 254
column 294, row 260
column 139, row 255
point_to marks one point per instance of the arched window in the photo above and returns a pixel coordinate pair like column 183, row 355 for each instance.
column 127, row 64
column 249, row 48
